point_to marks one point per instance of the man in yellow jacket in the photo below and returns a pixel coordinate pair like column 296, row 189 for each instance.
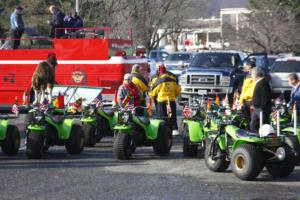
column 140, row 82
column 155, row 77
column 165, row 90
column 247, row 90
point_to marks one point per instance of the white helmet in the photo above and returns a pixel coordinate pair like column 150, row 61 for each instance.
column 266, row 130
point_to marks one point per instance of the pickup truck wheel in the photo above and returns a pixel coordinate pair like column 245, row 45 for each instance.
column 11, row 144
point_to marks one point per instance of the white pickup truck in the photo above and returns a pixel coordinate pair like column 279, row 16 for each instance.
column 280, row 70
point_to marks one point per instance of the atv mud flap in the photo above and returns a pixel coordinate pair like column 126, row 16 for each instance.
column 196, row 133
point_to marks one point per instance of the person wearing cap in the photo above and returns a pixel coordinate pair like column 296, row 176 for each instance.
column 165, row 90
column 247, row 90
column 57, row 22
column 128, row 93
column 140, row 82
column 154, row 78
column 17, row 26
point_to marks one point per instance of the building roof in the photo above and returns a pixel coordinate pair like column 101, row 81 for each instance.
column 213, row 7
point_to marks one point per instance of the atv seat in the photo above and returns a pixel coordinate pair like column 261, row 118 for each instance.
column 58, row 119
column 243, row 133
column 144, row 120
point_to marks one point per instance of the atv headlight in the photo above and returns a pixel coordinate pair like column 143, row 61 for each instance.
column 39, row 118
column 225, row 81
column 89, row 110
column 124, row 117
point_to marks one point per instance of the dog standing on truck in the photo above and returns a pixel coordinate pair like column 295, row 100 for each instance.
column 44, row 78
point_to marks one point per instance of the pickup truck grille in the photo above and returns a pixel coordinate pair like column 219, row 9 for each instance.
column 205, row 79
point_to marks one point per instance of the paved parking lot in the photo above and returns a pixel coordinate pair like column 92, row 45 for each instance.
column 96, row 174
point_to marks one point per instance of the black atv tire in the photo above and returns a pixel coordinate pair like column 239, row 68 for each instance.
column 89, row 135
column 219, row 165
column 293, row 142
column 123, row 146
column 282, row 169
column 164, row 141
column 75, row 144
column 189, row 150
column 246, row 162
column 11, row 143
column 34, row 145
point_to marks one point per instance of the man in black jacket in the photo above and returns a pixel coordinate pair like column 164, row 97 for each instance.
column 261, row 99
column 57, row 22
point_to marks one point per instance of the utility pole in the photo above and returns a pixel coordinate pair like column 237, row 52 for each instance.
column 77, row 6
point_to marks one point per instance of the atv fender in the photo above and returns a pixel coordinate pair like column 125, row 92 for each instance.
column 151, row 129
column 221, row 140
column 64, row 129
column 237, row 141
column 122, row 128
column 290, row 130
column 36, row 128
column 111, row 120
column 3, row 129
column 196, row 132
column 89, row 120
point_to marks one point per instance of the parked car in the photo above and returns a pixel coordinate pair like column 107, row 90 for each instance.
column 216, row 72
column 177, row 61
column 280, row 70
column 154, row 57
column 158, row 55
column 272, row 59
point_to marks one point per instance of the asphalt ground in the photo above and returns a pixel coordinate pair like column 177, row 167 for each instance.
column 96, row 174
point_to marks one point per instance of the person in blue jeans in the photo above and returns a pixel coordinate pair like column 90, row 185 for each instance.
column 17, row 26
column 294, row 82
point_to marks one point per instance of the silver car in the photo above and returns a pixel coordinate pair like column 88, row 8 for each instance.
column 280, row 70
column 177, row 61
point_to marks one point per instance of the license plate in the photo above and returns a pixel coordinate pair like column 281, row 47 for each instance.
column 202, row 92
column 202, row 79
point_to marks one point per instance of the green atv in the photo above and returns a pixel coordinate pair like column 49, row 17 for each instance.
column 289, row 128
column 133, row 130
column 199, row 121
column 49, row 128
column 248, row 152
column 97, row 123
column 9, row 136
column 193, row 129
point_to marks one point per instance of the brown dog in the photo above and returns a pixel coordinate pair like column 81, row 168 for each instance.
column 43, row 78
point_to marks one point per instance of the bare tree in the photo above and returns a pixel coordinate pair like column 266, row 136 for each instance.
column 147, row 16
column 272, row 30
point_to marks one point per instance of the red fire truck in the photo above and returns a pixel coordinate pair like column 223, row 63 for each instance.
column 86, row 57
